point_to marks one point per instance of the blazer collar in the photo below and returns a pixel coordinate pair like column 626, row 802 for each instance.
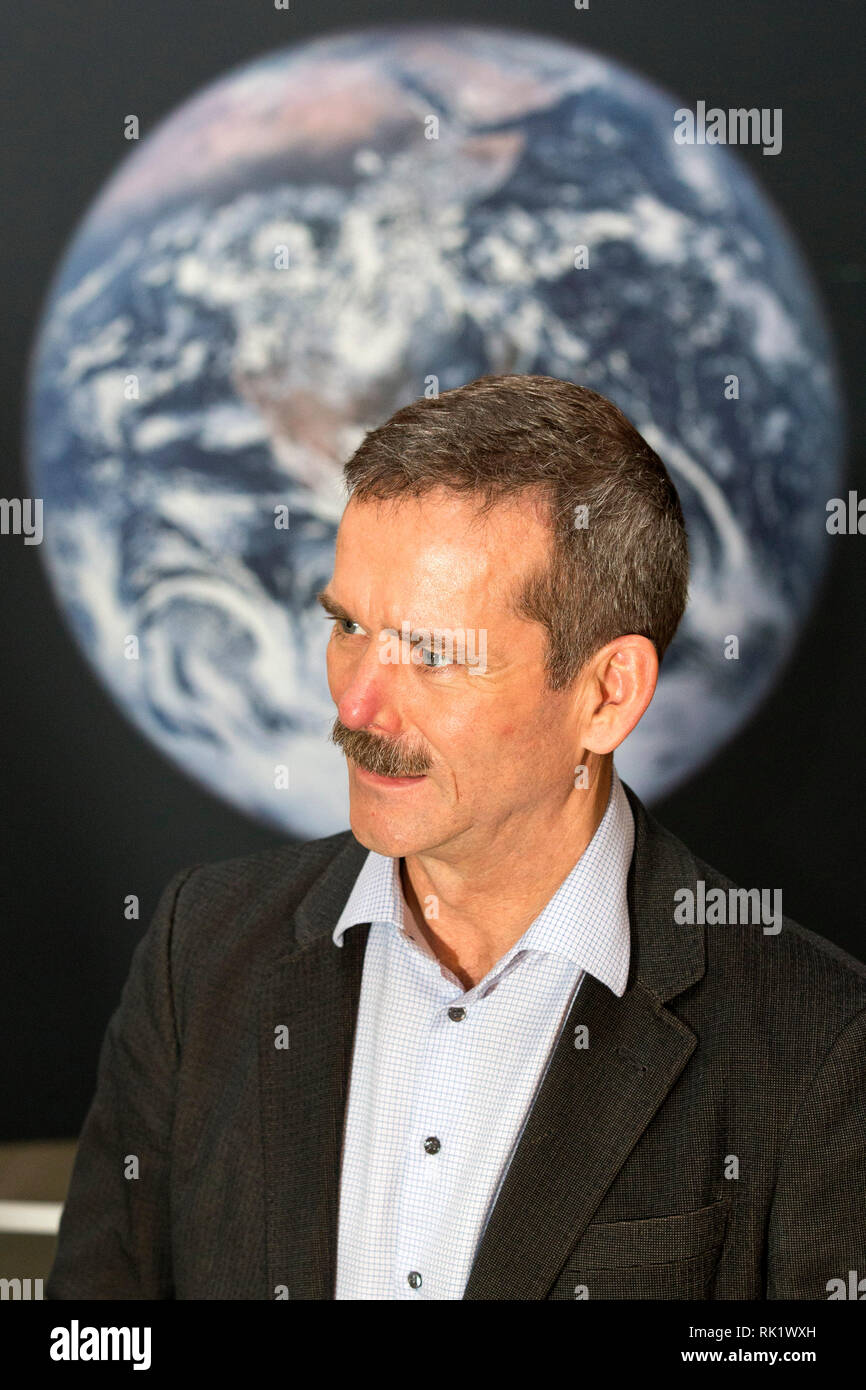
column 556, row 1180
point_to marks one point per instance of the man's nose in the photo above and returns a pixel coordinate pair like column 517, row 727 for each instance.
column 371, row 698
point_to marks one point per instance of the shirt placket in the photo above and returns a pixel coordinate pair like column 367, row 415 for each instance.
column 432, row 1155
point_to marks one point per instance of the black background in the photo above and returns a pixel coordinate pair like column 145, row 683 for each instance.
column 91, row 811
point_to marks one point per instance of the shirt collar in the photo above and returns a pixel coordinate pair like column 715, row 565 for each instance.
column 586, row 920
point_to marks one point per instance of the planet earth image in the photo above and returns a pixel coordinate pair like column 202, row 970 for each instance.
column 334, row 229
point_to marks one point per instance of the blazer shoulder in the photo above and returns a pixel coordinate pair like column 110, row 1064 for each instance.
column 791, row 991
column 293, row 866
column 799, row 947
column 769, row 960
column 236, row 909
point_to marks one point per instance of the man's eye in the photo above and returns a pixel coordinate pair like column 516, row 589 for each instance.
column 341, row 625
column 431, row 657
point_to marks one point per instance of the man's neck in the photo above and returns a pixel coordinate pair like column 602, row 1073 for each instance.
column 473, row 914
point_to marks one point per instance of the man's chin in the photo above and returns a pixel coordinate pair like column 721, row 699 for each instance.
column 382, row 839
column 385, row 830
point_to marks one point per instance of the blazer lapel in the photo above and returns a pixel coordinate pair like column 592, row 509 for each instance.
column 595, row 1102
column 313, row 989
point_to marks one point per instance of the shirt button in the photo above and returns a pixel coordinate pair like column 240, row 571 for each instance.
column 432, row 1144
column 414, row 1279
column 456, row 1015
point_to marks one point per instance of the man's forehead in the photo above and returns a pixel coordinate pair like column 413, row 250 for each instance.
column 417, row 564
column 441, row 529
column 421, row 598
column 437, row 561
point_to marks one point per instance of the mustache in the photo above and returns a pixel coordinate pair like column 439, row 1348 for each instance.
column 373, row 754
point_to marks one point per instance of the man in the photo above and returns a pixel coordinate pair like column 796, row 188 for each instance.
column 478, row 1047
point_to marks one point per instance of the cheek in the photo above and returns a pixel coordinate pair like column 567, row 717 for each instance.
column 527, row 740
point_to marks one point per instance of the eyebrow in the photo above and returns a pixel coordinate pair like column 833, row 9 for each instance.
column 331, row 606
column 336, row 610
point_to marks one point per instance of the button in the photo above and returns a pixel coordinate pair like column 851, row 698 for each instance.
column 414, row 1279
column 432, row 1145
column 456, row 1015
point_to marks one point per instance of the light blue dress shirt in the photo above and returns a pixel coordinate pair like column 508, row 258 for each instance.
column 443, row 1078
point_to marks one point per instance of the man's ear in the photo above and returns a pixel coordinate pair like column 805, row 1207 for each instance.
column 622, row 681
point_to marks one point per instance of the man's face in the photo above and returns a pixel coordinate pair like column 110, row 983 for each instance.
column 495, row 748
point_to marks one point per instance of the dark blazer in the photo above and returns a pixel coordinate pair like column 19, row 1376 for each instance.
column 707, row 1144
